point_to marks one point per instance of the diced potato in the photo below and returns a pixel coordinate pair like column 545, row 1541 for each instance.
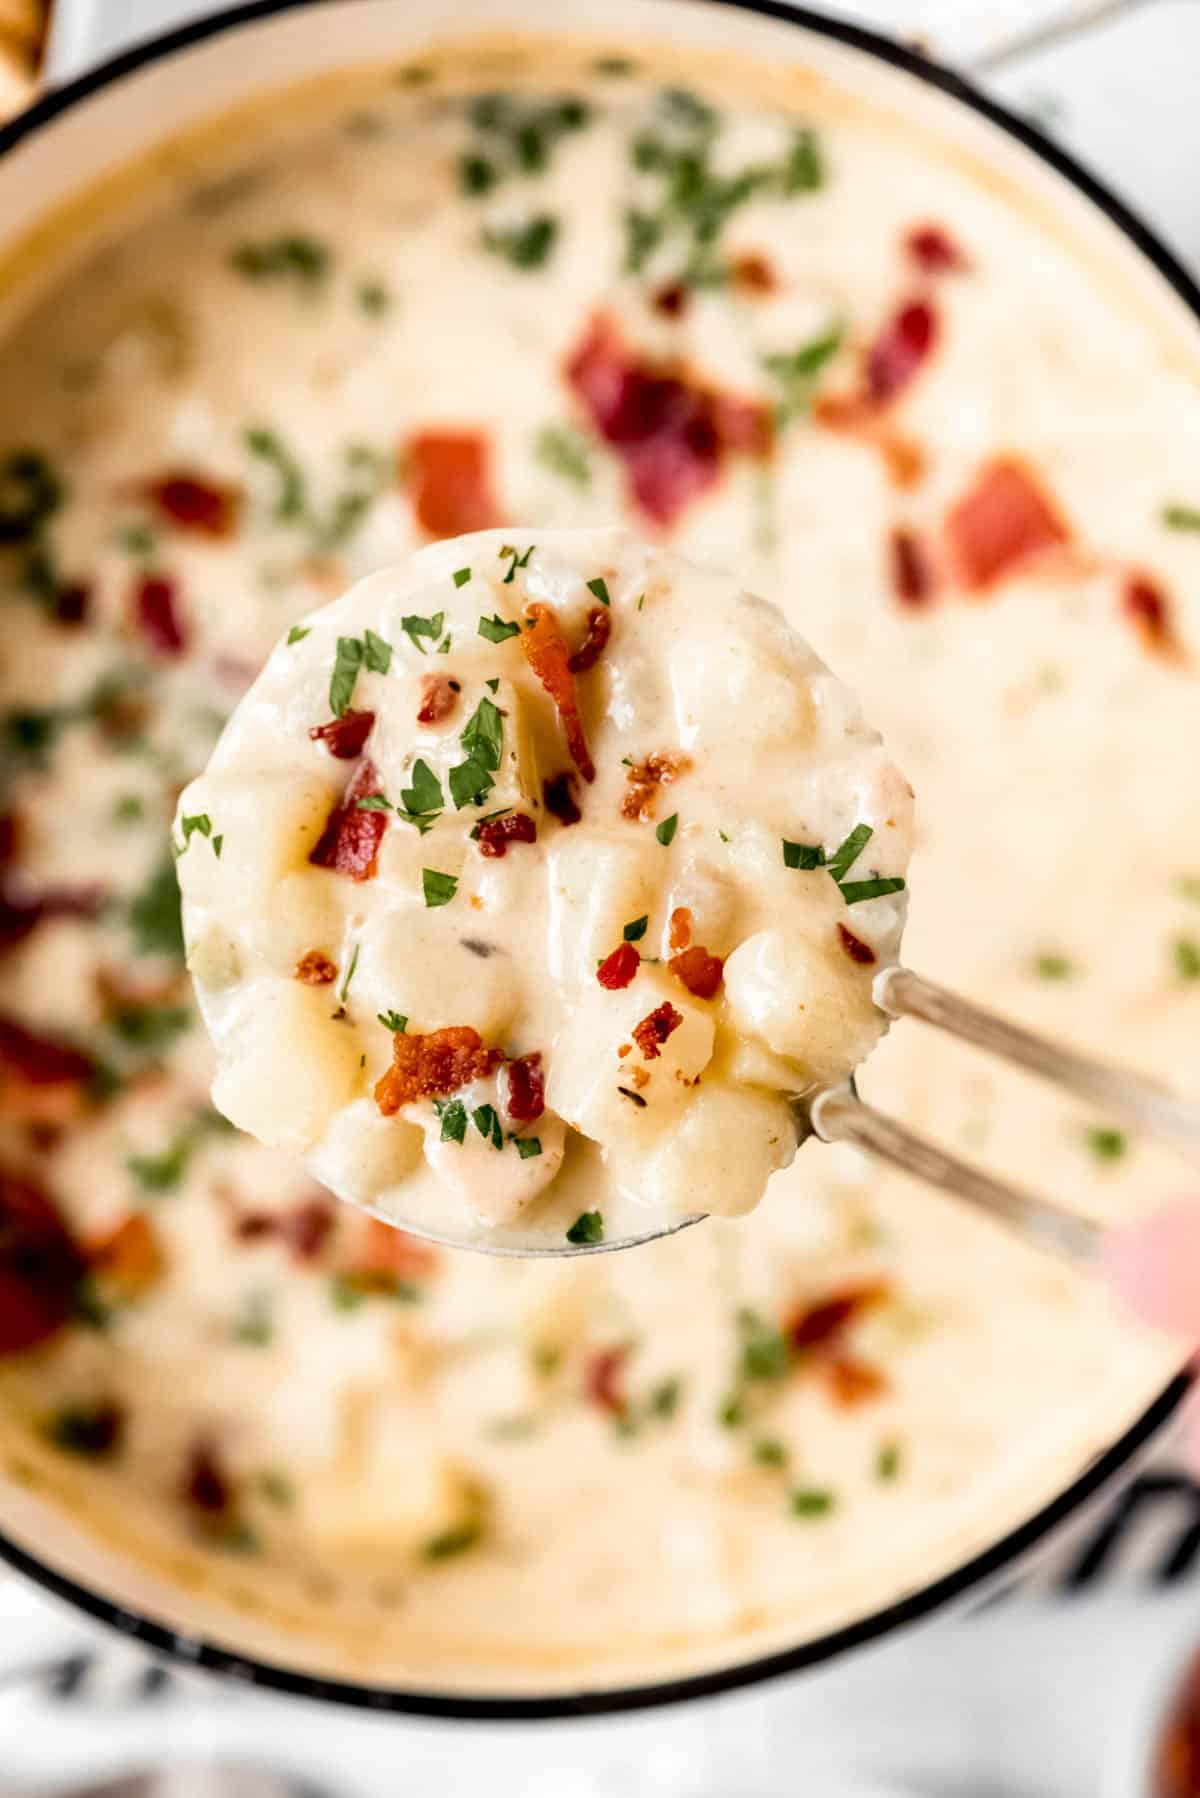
column 498, row 1184
column 287, row 1066
column 710, row 895
column 409, row 962
column 305, row 914
column 597, row 885
column 722, row 1152
column 362, row 1154
column 387, row 1496
column 266, row 828
column 805, row 998
column 752, row 668
column 627, row 1101
column 214, row 961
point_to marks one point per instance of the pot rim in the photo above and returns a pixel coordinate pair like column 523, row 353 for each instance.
column 980, row 1569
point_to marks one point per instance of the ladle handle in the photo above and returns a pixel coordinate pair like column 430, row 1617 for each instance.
column 838, row 1115
column 1126, row 1097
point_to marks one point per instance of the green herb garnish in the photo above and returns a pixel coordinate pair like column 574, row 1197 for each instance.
column 461, row 576
column 486, row 1120
column 1181, row 518
column 810, row 1501
column 887, row 1461
column 416, row 629
column 666, row 830
column 855, row 891
column 1052, row 967
column 454, row 1541
column 635, row 930
column 518, row 561
column 439, row 889
column 795, row 372
column 346, row 665
column 154, row 916
column 768, row 1451
column 497, row 629
column 588, row 1227
column 270, row 448
column 563, row 452
column 527, row 1146
column 255, row 1325
column 345, row 986
column 298, row 633
column 803, row 855
column 524, row 246
column 848, row 852
column 290, row 256
column 1187, row 958
column 453, row 1114
column 1106, row 1144
column 600, row 588
column 92, row 1431
column 373, row 297
column 395, row 1021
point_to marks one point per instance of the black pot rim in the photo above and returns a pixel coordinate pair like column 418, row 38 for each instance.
column 980, row 1569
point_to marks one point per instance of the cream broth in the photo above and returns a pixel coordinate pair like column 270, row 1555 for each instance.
column 814, row 350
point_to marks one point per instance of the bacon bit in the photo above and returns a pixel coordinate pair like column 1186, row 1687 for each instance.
column 40, row 1266
column 618, row 969
column 496, row 834
column 1147, row 608
column 315, row 968
column 604, row 1379
column 547, row 654
column 855, row 948
column 71, row 603
column 19, row 915
column 679, row 928
column 433, row 1066
column 624, row 1050
column 671, row 299
column 449, row 473
column 752, row 273
column 913, row 578
column 349, row 843
column 41, row 1080
column 934, row 251
column 526, row 1088
column 192, row 503
column 384, row 1250
column 302, row 1228
column 697, row 970
column 345, row 737
column 644, row 779
column 899, row 351
column 655, row 1028
column 157, row 615
column 819, row 1326
column 599, row 630
column 854, row 1382
column 672, row 432
column 130, row 1255
column 206, row 1485
column 559, row 799
column 439, row 696
column 1003, row 522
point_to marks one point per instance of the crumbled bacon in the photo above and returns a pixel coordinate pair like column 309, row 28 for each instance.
column 42, row 1080
column 821, row 1325
column 643, row 780
column 679, row 928
column 40, row 1266
column 495, row 834
column 855, row 948
column 129, row 1256
column 934, row 251
column 192, row 502
column 156, row 611
column 349, row 843
column 671, row 299
column 752, row 273
column 672, row 432
column 449, row 473
column 559, row 799
column 618, row 969
column 547, row 654
column 655, row 1028
column 72, row 602
column 604, row 1379
column 599, row 630
column 315, row 968
column 526, row 1083
column 1147, row 608
column 384, row 1250
column 697, row 970
column 302, row 1228
column 853, row 1381
column 1003, row 522
column 439, row 696
column 899, row 351
column 433, row 1066
column 913, row 578
column 206, row 1485
column 345, row 737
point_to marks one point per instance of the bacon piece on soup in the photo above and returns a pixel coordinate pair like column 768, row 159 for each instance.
column 752, row 273
column 852, row 1381
column 193, row 502
column 40, row 1266
column 433, row 1066
column 42, row 1080
column 548, row 656
column 599, row 630
column 383, row 1251
column 315, row 969
column 618, row 970
column 559, row 799
column 934, row 251
column 129, row 1256
column 349, row 843
column 345, row 737
column 671, row 299
column 644, row 778
column 821, row 1325
column 525, row 1081
column 158, row 616
column 496, row 834
column 672, row 432
column 1001, row 524
column 697, row 970
column 900, row 351
column 914, row 578
column 439, row 696
column 207, row 1487
column 855, row 948
column 655, row 1028
column 604, row 1379
column 679, row 928
column 1148, row 609
column 450, row 477
column 302, row 1228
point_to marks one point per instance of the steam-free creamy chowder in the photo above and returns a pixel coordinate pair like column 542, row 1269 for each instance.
column 805, row 345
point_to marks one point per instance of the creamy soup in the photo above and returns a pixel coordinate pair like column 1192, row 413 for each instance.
column 816, row 350
column 623, row 903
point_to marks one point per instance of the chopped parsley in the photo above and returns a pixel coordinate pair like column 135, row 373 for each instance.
column 1181, row 518
column 275, row 1487
column 795, row 372
column 255, row 1324
column 377, row 653
column 1189, row 887
column 492, row 685
column 373, row 298
column 887, row 1462
column 600, row 588
column 395, row 1021
column 454, row 1541
column 588, row 1227
column 344, row 1295
column 482, row 740
column 346, row 665
column 439, row 889
column 128, row 808
column 518, row 561
column 374, row 802
column 666, row 830
column 810, row 1501
column 848, row 852
column 524, row 246
column 517, row 137
column 416, row 629
column 803, row 855
column 139, row 540
column 345, row 986
column 1187, row 958
column 486, row 1120
column 731, row 1413
column 768, row 1451
column 1052, row 967
column 527, row 1146
column 453, row 1114
column 290, row 498
column 198, row 824
column 154, row 916
column 156, row 1174
column 635, row 930
column 461, row 576
column 476, row 175
column 148, row 1027
column 643, row 234
column 423, row 800
column 298, row 633
column 497, row 629
column 1106, row 1144
column 854, row 891
column 765, row 1353
column 30, row 494
column 808, row 856
column 290, row 256
column 563, row 451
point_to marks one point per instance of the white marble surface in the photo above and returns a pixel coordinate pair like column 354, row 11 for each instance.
column 1030, row 1700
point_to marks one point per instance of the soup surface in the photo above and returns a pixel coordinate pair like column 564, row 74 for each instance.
column 812, row 349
